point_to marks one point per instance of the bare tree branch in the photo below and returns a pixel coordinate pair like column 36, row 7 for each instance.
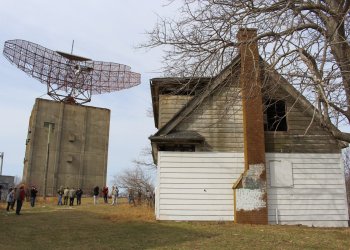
column 306, row 41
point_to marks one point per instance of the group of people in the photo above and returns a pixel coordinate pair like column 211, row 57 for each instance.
column 149, row 197
column 15, row 196
column 18, row 195
column 69, row 194
column 105, row 191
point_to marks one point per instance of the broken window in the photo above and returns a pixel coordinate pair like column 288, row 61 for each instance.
column 275, row 116
column 177, row 147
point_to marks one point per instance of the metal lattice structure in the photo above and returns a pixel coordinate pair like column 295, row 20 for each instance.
column 69, row 78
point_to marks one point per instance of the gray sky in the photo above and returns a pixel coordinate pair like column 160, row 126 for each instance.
column 103, row 30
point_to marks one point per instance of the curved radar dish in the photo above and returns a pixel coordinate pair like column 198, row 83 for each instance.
column 69, row 78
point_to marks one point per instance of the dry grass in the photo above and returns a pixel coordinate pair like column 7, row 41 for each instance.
column 48, row 226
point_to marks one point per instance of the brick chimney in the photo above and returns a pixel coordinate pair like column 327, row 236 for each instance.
column 252, row 188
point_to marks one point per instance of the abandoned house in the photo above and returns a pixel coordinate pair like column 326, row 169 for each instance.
column 226, row 152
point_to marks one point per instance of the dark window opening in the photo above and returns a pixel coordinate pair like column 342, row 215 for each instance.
column 177, row 147
column 275, row 116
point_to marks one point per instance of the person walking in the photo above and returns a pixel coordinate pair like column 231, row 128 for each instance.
column 115, row 193
column 131, row 197
column 60, row 193
column 20, row 196
column 65, row 196
column 33, row 192
column 105, row 194
column 79, row 193
column 139, row 196
column 10, row 198
column 96, row 193
column 71, row 196
column 15, row 190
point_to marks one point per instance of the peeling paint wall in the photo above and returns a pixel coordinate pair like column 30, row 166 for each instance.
column 252, row 194
column 249, row 199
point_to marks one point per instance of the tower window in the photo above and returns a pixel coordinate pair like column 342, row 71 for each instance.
column 275, row 116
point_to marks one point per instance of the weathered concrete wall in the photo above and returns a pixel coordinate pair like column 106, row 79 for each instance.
column 78, row 146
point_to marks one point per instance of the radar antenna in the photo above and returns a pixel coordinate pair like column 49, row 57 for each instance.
column 69, row 78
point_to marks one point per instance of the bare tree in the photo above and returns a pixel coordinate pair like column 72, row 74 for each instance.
column 145, row 160
column 134, row 179
column 306, row 41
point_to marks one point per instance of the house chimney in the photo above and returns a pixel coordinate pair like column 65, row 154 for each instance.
column 254, row 178
column 252, row 101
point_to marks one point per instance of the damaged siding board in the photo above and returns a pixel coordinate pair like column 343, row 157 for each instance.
column 169, row 105
column 318, row 197
column 220, row 120
column 197, row 185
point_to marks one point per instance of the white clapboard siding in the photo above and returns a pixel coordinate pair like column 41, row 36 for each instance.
column 197, row 185
column 317, row 197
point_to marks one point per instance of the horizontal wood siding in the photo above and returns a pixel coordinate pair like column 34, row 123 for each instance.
column 219, row 119
column 318, row 195
column 197, row 185
column 169, row 105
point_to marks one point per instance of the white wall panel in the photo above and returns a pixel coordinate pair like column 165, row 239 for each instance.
column 318, row 197
column 197, row 185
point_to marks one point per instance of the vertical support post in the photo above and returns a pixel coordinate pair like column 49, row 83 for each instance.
column 2, row 161
column 51, row 127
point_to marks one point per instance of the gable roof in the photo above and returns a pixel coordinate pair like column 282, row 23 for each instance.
column 174, row 85
column 192, row 104
column 213, row 83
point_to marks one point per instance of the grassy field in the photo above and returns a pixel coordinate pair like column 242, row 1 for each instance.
column 103, row 226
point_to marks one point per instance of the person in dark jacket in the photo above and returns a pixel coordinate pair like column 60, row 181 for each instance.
column 71, row 196
column 79, row 193
column 105, row 194
column 20, row 196
column 33, row 192
column 96, row 193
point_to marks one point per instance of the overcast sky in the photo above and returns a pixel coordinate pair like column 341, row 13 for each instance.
column 103, row 30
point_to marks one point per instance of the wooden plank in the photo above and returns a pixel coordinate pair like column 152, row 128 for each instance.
column 307, row 181
column 204, row 165
column 227, row 202
column 199, row 181
column 293, row 207
column 196, row 218
column 203, row 155
column 307, row 196
column 195, row 191
column 324, row 171
column 310, row 212
column 199, row 207
column 310, row 157
column 310, row 217
column 199, row 175
column 196, row 196
column 294, row 191
column 195, row 212
column 335, row 165
column 304, row 202
column 319, row 186
column 197, row 185
column 204, row 170
column 212, row 160
column 318, row 176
